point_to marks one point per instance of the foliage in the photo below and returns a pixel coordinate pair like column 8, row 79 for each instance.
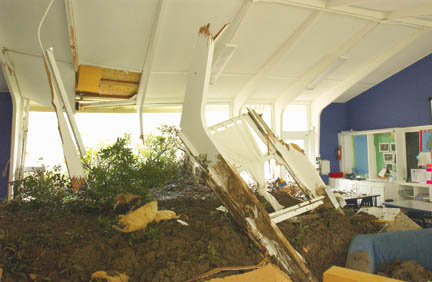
column 43, row 188
column 111, row 170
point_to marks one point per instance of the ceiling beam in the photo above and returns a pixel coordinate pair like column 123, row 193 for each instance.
column 224, row 49
column 322, row 67
column 339, row 3
column 72, row 32
column 148, row 63
column 328, row 97
column 415, row 11
column 352, row 11
column 275, row 59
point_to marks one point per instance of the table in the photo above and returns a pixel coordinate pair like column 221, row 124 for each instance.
column 417, row 210
column 366, row 200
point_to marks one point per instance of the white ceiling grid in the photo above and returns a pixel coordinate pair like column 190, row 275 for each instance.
column 114, row 33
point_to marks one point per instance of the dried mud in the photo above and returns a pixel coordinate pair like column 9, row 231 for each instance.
column 323, row 236
column 408, row 271
column 65, row 246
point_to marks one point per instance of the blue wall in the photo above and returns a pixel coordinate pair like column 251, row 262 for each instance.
column 334, row 119
column 399, row 101
column 5, row 139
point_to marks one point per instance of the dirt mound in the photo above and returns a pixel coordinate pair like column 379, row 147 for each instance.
column 68, row 246
column 323, row 236
column 408, row 271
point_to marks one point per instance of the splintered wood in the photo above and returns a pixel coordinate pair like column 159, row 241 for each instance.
column 251, row 215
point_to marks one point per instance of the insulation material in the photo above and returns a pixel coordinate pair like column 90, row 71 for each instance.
column 269, row 272
column 119, row 277
column 139, row 218
column 165, row 215
column 125, row 198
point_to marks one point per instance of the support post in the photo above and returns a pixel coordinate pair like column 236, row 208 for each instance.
column 225, row 182
column 68, row 131
column 17, row 121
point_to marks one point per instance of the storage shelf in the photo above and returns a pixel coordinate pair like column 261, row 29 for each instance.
column 413, row 184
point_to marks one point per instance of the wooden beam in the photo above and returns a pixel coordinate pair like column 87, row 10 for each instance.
column 322, row 67
column 352, row 11
column 341, row 274
column 414, row 11
column 275, row 59
column 72, row 34
column 148, row 63
column 107, row 82
column 326, row 98
column 338, row 3
column 224, row 50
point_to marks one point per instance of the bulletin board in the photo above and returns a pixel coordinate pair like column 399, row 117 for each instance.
column 360, row 154
column 412, row 140
column 379, row 140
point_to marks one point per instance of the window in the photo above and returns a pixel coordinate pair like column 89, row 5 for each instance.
column 217, row 113
column 96, row 129
column 295, row 118
column 295, row 127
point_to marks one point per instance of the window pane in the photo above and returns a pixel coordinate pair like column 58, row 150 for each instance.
column 216, row 114
column 295, row 118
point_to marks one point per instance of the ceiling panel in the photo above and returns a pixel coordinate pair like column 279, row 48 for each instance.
column 271, row 88
column 417, row 50
column 264, row 29
column 19, row 21
column 391, row 5
column 325, row 36
column 376, row 42
column 228, row 86
column 33, row 82
column 180, row 26
column 113, row 33
column 167, row 86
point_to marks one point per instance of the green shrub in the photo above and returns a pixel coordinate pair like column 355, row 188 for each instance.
column 117, row 169
column 111, row 170
column 43, row 188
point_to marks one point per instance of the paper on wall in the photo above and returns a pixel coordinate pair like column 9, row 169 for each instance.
column 420, row 175
column 424, row 158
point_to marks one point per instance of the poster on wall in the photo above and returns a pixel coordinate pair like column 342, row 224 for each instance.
column 384, row 147
column 425, row 140
column 389, row 158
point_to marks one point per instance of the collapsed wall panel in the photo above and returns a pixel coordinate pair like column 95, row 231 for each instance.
column 227, row 184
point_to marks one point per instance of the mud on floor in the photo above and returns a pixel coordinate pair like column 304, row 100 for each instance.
column 65, row 246
column 323, row 236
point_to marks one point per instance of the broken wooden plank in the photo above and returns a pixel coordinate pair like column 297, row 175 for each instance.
column 341, row 274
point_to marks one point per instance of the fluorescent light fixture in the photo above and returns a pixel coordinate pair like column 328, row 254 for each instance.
column 329, row 70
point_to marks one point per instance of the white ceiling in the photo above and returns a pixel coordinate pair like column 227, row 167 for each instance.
column 116, row 34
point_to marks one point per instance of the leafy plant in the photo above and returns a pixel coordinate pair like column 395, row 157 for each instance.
column 43, row 188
